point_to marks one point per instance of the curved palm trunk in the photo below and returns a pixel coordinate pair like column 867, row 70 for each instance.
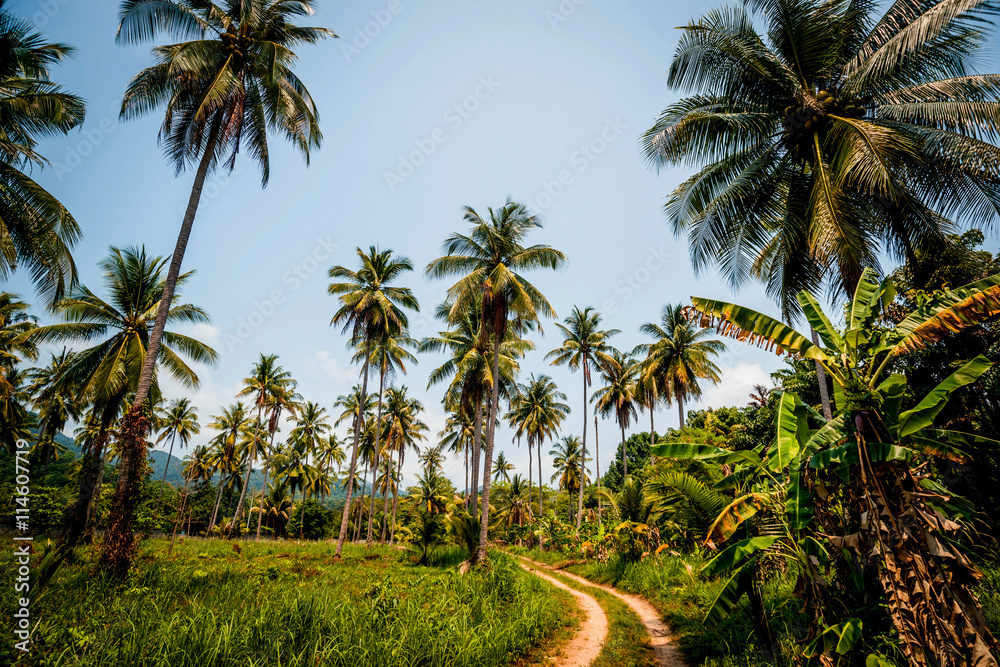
column 378, row 433
column 583, row 460
column 166, row 469
column 246, row 480
column 824, row 390
column 345, row 517
column 119, row 544
column 91, row 478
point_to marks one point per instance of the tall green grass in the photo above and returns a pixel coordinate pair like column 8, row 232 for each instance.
column 290, row 605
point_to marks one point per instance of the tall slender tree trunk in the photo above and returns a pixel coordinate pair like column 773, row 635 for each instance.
column 361, row 505
column 597, row 461
column 91, row 479
column 252, row 458
column 266, row 467
column 824, row 390
column 680, row 411
column 119, row 543
column 395, row 493
column 378, row 433
column 624, row 453
column 531, row 463
column 180, row 515
column 541, row 485
column 218, row 499
column 166, row 469
column 477, row 444
column 302, row 515
column 583, row 460
column 354, row 455
column 488, row 456
column 466, row 448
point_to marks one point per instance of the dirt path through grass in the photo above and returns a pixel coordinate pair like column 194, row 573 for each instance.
column 667, row 654
column 586, row 645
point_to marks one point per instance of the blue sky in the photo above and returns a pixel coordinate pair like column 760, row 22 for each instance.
column 426, row 107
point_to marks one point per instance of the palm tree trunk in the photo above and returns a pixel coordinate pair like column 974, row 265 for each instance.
column 541, row 484
column 119, row 544
column 488, row 462
column 354, row 454
column 91, row 478
column 166, row 469
column 531, row 462
column 180, row 515
column 260, row 516
column 302, row 515
column 466, row 448
column 824, row 390
column 583, row 460
column 395, row 493
column 680, row 411
column 477, row 444
column 624, row 453
column 218, row 499
column 597, row 461
column 378, row 431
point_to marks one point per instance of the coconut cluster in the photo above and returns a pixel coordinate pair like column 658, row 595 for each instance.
column 803, row 120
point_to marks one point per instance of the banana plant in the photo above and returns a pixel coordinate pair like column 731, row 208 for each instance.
column 857, row 486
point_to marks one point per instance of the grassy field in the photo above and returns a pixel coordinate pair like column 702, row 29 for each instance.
column 216, row 603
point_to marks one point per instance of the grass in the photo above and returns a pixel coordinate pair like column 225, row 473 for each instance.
column 627, row 643
column 220, row 604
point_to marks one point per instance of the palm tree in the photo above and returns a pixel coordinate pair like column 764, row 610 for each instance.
column 584, row 343
column 617, row 396
column 108, row 371
column 834, row 136
column 328, row 453
column 680, row 356
column 15, row 345
column 267, row 381
column 537, row 411
column 283, row 398
column 457, row 438
column 570, row 463
column 432, row 457
column 390, row 353
column 502, row 468
column 403, row 430
column 197, row 466
column 309, row 435
column 230, row 424
column 489, row 261
column 177, row 421
column 38, row 231
column 370, row 308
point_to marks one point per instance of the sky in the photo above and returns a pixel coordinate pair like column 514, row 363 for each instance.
column 425, row 107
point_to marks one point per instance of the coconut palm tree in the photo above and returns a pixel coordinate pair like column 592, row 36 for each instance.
column 836, row 135
column 502, row 468
column 15, row 345
column 109, row 370
column 457, row 437
column 489, row 261
column 37, row 231
column 370, row 309
column 266, row 382
column 680, row 356
column 230, row 424
column 179, row 420
column 570, row 464
column 222, row 90
column 197, row 466
column 403, row 430
column 617, row 396
column 284, row 398
column 330, row 453
column 584, row 344
column 537, row 411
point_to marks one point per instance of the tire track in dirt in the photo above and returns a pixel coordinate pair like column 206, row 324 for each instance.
column 667, row 654
column 586, row 645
